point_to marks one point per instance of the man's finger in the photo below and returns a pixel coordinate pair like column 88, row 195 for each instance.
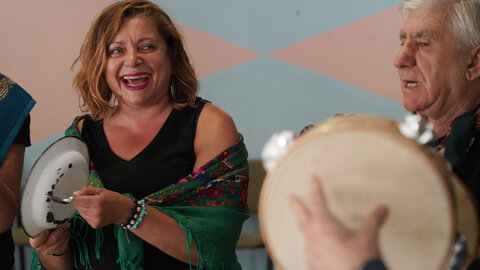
column 374, row 221
column 300, row 211
column 317, row 197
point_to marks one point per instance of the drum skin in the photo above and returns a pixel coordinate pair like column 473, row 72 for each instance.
column 363, row 162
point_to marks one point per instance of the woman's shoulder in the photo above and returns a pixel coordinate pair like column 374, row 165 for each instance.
column 216, row 131
column 214, row 118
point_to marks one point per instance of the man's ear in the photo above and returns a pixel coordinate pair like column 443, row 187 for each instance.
column 473, row 68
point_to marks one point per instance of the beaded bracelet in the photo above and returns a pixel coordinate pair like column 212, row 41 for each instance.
column 131, row 215
column 140, row 217
column 136, row 215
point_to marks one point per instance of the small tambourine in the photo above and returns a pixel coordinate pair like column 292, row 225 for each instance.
column 61, row 169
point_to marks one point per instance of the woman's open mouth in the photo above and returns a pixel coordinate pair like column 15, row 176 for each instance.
column 136, row 81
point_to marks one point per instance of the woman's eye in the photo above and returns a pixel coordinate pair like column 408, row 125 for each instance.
column 115, row 51
column 147, row 47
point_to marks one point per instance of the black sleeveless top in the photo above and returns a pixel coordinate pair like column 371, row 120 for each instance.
column 168, row 158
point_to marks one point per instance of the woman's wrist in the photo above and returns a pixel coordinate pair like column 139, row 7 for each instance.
column 137, row 212
column 60, row 261
column 48, row 255
column 60, row 254
column 133, row 210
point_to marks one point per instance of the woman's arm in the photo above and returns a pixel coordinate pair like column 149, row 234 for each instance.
column 216, row 131
column 102, row 207
column 10, row 177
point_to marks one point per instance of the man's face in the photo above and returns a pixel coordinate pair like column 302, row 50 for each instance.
column 431, row 69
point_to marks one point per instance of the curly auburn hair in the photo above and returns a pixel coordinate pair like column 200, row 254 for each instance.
column 89, row 81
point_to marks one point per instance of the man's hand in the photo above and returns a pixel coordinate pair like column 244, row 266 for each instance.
column 329, row 243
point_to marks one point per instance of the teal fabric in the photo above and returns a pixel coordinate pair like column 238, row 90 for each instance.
column 15, row 105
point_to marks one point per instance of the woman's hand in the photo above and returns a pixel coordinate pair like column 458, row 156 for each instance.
column 51, row 243
column 101, row 207
column 329, row 243
column 53, row 248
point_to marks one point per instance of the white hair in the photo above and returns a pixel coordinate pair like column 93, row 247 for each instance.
column 464, row 19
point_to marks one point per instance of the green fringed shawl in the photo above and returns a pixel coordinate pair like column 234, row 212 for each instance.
column 209, row 204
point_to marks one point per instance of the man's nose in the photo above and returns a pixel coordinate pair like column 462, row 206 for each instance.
column 405, row 57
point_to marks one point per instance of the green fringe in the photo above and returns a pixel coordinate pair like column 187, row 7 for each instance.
column 77, row 239
column 189, row 239
column 35, row 261
column 188, row 243
column 98, row 242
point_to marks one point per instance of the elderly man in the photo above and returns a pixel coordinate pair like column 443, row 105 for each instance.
column 439, row 69
column 15, row 105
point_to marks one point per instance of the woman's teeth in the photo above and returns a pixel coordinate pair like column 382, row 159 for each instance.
column 135, row 80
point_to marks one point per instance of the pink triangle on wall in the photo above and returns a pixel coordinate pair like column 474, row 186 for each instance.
column 210, row 54
column 360, row 53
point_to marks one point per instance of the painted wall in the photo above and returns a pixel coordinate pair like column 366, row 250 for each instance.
column 272, row 64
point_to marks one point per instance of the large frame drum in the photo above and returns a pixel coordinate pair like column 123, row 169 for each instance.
column 363, row 162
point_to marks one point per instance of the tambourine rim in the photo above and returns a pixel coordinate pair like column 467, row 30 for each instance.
column 313, row 133
column 462, row 185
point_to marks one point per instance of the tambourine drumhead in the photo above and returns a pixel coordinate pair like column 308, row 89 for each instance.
column 363, row 161
column 60, row 170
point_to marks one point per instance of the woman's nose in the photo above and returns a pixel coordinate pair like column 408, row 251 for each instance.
column 132, row 58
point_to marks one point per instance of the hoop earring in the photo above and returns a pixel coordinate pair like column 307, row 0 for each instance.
column 172, row 91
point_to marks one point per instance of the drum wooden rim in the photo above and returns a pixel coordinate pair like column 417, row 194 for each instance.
column 467, row 215
column 359, row 123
